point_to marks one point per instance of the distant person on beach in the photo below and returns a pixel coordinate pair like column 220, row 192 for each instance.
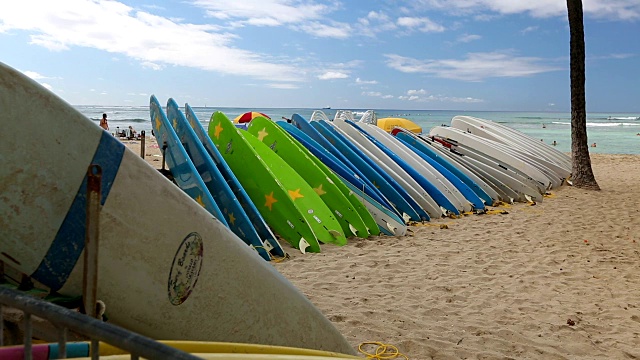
column 554, row 143
column 593, row 145
column 132, row 132
column 288, row 120
column 103, row 122
column 544, row 126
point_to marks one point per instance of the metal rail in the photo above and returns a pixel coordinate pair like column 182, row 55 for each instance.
column 136, row 344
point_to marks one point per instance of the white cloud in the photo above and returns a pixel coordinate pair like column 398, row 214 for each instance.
column 375, row 22
column 416, row 92
column 153, row 40
column 47, row 86
column 37, row 76
column 440, row 98
column 266, row 12
column 331, row 75
column 322, row 29
column 465, row 38
column 377, row 94
column 283, row 86
column 423, row 24
column 529, row 29
column 365, row 82
column 605, row 9
column 475, row 67
column 307, row 16
column 152, row 66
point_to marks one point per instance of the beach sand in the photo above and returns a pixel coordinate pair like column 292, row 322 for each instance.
column 558, row 280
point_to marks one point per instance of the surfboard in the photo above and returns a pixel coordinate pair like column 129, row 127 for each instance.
column 184, row 172
column 507, row 135
column 429, row 172
column 551, row 170
column 436, row 151
column 233, row 213
column 258, row 222
column 335, row 164
column 356, row 202
column 301, row 161
column 463, row 138
column 426, row 193
column 305, row 128
column 385, row 170
column 82, row 349
column 469, row 194
column 393, row 193
column 167, row 268
column 290, row 206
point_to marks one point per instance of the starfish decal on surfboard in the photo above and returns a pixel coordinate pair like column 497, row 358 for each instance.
column 218, row 130
column 262, row 134
column 319, row 190
column 295, row 194
column 269, row 201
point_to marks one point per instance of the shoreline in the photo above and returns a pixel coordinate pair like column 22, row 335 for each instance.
column 555, row 280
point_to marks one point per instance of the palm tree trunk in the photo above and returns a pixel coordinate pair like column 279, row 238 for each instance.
column 582, row 174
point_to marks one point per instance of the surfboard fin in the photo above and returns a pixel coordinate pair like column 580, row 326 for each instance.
column 303, row 245
column 405, row 217
column 335, row 233
column 267, row 245
column 392, row 228
column 354, row 231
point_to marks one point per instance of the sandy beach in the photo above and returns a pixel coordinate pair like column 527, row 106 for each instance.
column 557, row 280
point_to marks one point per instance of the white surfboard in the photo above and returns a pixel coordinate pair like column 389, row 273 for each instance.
column 420, row 196
column 480, row 144
column 421, row 166
column 508, row 135
column 534, row 154
column 167, row 268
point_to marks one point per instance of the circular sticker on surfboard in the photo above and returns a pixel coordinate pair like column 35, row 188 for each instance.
column 185, row 269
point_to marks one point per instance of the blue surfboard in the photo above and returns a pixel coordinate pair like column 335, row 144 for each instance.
column 249, row 207
column 389, row 187
column 424, row 151
column 433, row 191
column 335, row 164
column 221, row 192
column 305, row 127
column 184, row 172
column 464, row 189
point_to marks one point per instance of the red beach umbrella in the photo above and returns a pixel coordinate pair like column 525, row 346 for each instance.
column 248, row 116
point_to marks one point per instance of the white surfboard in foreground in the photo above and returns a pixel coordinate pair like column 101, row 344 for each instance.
column 167, row 268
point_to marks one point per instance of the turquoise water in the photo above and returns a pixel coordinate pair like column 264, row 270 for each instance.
column 614, row 133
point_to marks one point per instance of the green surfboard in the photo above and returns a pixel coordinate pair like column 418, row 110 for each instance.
column 362, row 210
column 301, row 161
column 283, row 198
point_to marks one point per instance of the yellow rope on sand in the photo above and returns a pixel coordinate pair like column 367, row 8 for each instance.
column 383, row 351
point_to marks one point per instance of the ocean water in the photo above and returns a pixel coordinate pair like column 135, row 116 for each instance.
column 613, row 133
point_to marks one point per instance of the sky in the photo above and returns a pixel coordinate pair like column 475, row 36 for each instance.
column 495, row 55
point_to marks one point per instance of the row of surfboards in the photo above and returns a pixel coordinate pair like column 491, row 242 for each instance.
column 320, row 181
column 456, row 169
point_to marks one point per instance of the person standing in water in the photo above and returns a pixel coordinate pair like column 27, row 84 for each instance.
column 103, row 122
